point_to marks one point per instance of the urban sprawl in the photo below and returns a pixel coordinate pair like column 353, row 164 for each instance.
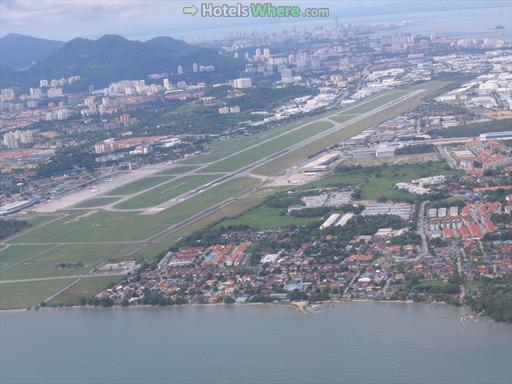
column 413, row 203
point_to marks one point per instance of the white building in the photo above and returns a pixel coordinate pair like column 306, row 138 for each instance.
column 331, row 220
column 243, row 82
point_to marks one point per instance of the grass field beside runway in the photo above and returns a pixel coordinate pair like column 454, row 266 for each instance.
column 106, row 226
column 50, row 262
column 266, row 149
column 28, row 294
column 37, row 219
column 342, row 118
column 233, row 209
column 280, row 164
column 85, row 288
column 15, row 253
column 166, row 192
column 263, row 217
column 139, row 185
column 97, row 202
column 378, row 100
column 178, row 170
column 224, row 147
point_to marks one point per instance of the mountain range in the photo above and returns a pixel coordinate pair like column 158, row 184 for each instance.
column 109, row 58
column 20, row 51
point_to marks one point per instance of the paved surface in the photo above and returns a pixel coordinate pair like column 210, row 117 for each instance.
column 59, row 278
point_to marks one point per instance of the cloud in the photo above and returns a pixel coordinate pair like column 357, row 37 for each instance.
column 20, row 11
column 65, row 19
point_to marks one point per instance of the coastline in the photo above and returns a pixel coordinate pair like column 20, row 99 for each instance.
column 301, row 307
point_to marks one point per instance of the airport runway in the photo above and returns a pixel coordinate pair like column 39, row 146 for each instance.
column 243, row 171
column 246, row 170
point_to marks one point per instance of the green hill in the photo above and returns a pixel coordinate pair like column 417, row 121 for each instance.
column 113, row 58
column 20, row 51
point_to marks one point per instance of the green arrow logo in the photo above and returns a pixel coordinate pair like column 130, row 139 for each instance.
column 190, row 10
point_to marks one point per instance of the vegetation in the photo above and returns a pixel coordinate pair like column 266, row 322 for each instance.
column 377, row 182
column 494, row 299
column 269, row 148
column 10, row 227
column 113, row 58
column 166, row 192
column 475, row 129
column 261, row 98
column 29, row 294
column 366, row 225
column 66, row 160
column 501, row 218
column 435, row 287
column 415, row 149
column 407, row 238
column 139, row 185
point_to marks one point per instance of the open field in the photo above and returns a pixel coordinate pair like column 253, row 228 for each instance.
column 97, row 202
column 116, row 227
column 178, row 170
column 35, row 220
column 26, row 295
column 375, row 102
column 397, row 159
column 85, row 288
column 35, row 270
column 342, row 118
column 166, row 191
column 266, row 149
column 234, row 208
column 46, row 263
column 379, row 184
column 475, row 129
column 139, row 185
column 15, row 253
column 222, row 148
column 263, row 217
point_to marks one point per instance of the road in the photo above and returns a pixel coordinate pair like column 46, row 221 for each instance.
column 356, row 276
column 422, row 230
column 59, row 278
column 55, row 294
column 444, row 154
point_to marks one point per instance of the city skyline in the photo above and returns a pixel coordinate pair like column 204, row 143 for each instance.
column 65, row 20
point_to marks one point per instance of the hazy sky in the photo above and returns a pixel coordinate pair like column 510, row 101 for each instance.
column 66, row 19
